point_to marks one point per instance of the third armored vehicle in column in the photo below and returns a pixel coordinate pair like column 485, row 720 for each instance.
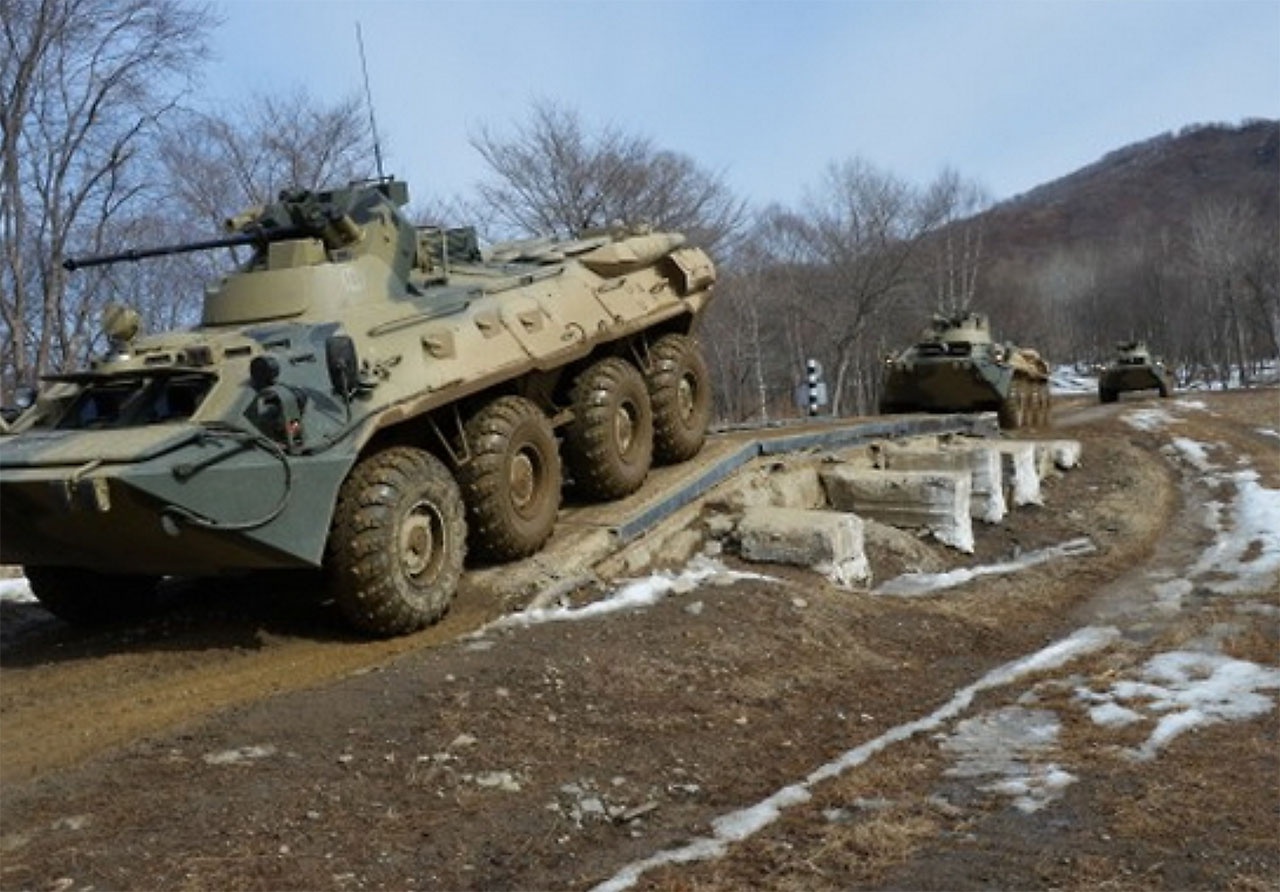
column 1133, row 368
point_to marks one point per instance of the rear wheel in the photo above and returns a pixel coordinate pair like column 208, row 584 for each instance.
column 511, row 486
column 86, row 598
column 680, row 393
column 397, row 543
column 609, row 443
column 1042, row 402
column 1106, row 395
column 1012, row 410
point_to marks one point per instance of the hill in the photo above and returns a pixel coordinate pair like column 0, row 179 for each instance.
column 1151, row 184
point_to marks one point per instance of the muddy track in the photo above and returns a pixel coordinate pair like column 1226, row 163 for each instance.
column 69, row 693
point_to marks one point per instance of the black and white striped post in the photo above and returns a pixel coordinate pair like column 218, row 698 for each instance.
column 813, row 373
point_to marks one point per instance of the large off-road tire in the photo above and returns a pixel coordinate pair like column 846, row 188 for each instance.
column 86, row 598
column 1041, row 403
column 1012, row 413
column 680, row 393
column 511, row 485
column 397, row 543
column 609, row 443
column 1106, row 395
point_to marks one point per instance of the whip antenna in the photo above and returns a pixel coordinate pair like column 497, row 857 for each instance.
column 368, row 101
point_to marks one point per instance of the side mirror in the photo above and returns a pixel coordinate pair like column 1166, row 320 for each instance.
column 343, row 364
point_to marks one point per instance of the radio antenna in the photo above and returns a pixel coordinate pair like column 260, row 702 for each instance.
column 368, row 101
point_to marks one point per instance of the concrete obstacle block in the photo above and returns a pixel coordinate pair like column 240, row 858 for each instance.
column 1019, row 471
column 778, row 484
column 937, row 501
column 830, row 542
column 981, row 463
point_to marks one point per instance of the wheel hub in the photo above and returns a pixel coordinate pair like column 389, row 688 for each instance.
column 684, row 398
column 522, row 479
column 422, row 541
column 624, row 427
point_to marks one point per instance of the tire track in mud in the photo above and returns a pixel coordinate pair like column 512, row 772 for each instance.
column 68, row 695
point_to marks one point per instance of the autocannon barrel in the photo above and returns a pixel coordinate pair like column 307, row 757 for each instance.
column 230, row 241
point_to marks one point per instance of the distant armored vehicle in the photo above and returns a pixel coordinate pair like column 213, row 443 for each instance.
column 956, row 367
column 1134, row 368
column 362, row 396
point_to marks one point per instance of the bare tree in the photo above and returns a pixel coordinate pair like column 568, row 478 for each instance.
column 83, row 87
column 554, row 176
column 230, row 159
column 1219, row 234
column 953, row 255
column 851, row 248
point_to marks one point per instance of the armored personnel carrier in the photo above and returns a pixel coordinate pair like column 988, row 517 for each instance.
column 364, row 398
column 956, row 367
column 1134, row 368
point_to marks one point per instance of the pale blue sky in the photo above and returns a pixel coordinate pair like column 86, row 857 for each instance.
column 1012, row 93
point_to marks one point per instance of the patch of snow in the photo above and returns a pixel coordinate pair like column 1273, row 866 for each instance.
column 1113, row 715
column 1249, row 550
column 1268, row 432
column 16, row 591
column 1006, row 743
column 916, row 584
column 1066, row 380
column 738, row 825
column 241, row 755
column 1032, row 790
column 634, row 594
column 1170, row 594
column 1195, row 453
column 1148, row 419
column 1185, row 689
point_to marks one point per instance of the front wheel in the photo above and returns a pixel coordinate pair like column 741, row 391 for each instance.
column 511, row 485
column 609, row 443
column 680, row 392
column 85, row 598
column 397, row 543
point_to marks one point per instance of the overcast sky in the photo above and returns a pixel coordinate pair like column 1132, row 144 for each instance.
column 1011, row 93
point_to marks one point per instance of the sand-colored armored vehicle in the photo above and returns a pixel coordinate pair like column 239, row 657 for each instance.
column 956, row 367
column 361, row 396
column 1133, row 368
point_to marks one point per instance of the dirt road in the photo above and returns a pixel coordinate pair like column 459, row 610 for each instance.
column 1105, row 719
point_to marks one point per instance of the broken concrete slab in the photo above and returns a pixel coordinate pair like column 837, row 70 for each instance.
column 1020, row 472
column 981, row 463
column 777, row 483
column 938, row 501
column 830, row 542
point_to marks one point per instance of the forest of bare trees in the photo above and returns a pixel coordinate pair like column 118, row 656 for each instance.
column 104, row 146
